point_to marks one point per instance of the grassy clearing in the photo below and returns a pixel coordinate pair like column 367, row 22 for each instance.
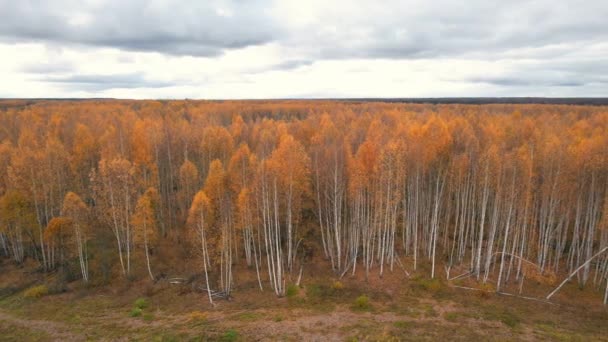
column 16, row 333
column 321, row 308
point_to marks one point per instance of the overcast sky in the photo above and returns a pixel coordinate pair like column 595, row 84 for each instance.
column 302, row 49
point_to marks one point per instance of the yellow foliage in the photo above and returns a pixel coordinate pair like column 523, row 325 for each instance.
column 36, row 292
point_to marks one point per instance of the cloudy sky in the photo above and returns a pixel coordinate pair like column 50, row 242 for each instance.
column 302, row 49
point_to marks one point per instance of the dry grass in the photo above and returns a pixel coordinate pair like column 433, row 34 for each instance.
column 414, row 309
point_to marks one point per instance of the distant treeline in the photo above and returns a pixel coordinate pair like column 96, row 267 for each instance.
column 592, row 101
column 582, row 101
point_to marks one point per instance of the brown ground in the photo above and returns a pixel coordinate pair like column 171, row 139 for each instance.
column 399, row 308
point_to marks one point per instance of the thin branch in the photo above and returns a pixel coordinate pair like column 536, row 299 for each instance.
column 575, row 272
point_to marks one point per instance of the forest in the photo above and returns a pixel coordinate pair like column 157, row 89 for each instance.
column 503, row 194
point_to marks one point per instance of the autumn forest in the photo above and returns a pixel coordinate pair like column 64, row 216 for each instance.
column 503, row 194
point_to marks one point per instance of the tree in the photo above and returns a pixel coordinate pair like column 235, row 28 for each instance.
column 189, row 183
column 221, row 232
column 18, row 221
column 241, row 172
column 216, row 144
column 75, row 209
column 114, row 191
column 496, row 192
column 329, row 165
column 57, row 236
column 200, row 216
column 144, row 222
column 290, row 167
column 84, row 155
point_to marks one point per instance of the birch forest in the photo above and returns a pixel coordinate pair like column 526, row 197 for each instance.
column 500, row 193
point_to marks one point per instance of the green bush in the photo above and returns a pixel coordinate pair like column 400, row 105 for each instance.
column 136, row 312
column 292, row 290
column 362, row 303
column 36, row 292
column 230, row 336
column 140, row 303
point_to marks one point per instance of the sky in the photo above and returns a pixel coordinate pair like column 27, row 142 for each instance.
column 250, row 49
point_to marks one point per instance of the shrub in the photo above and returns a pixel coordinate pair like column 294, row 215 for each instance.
column 338, row 285
column 230, row 336
column 36, row 291
column 140, row 303
column 136, row 312
column 292, row 290
column 431, row 285
column 321, row 292
column 313, row 291
column 362, row 303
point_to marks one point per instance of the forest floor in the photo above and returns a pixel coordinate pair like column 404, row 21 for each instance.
column 321, row 309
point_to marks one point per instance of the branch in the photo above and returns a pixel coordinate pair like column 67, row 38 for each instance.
column 460, row 276
column 575, row 271
column 402, row 267
column 504, row 294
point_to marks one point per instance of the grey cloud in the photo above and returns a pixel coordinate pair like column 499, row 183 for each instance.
column 292, row 64
column 516, row 81
column 552, row 73
column 89, row 82
column 543, row 43
column 394, row 29
column 199, row 28
column 286, row 65
column 433, row 29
